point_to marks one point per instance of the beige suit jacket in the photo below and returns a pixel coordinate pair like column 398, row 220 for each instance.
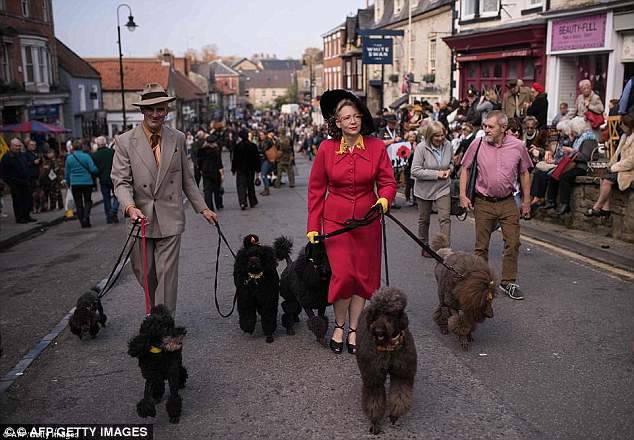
column 156, row 191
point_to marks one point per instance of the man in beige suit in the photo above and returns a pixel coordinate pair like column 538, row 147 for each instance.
column 150, row 172
column 516, row 100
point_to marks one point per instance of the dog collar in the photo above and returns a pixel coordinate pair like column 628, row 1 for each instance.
column 394, row 344
column 154, row 349
column 254, row 277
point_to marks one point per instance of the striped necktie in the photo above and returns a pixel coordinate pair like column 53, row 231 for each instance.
column 156, row 147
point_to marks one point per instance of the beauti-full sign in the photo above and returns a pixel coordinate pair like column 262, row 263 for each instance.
column 586, row 32
column 377, row 51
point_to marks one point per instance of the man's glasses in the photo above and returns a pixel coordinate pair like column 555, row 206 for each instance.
column 348, row 118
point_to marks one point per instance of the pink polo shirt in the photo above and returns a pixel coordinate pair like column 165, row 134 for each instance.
column 498, row 166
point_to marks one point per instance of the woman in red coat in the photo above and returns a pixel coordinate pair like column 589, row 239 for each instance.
column 342, row 185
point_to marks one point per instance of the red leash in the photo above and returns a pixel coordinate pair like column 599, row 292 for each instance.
column 146, row 285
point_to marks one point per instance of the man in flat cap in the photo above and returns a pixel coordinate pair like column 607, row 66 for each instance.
column 150, row 172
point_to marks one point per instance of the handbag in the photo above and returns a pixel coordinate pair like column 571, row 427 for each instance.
column 473, row 175
column 257, row 181
column 272, row 154
column 596, row 166
column 596, row 120
column 542, row 165
column 565, row 164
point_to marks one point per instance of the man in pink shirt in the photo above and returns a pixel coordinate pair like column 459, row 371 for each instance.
column 501, row 160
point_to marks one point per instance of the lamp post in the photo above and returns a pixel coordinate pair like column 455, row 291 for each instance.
column 131, row 25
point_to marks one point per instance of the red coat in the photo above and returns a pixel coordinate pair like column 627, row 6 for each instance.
column 349, row 180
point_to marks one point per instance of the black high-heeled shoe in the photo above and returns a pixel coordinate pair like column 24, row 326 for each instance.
column 352, row 348
column 337, row 347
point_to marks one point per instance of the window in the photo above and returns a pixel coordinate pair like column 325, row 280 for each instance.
column 398, row 6
column 5, row 64
column 25, row 8
column 82, row 98
column 467, row 9
column 273, row 93
column 535, row 3
column 45, row 16
column 3, row 6
column 28, row 60
column 431, row 67
column 94, row 95
column 348, row 74
column 378, row 10
column 489, row 7
column 42, row 64
column 359, row 74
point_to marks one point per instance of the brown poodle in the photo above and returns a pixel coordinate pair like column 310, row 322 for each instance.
column 386, row 346
column 464, row 301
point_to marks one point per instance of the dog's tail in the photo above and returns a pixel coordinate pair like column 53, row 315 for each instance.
column 440, row 243
column 283, row 246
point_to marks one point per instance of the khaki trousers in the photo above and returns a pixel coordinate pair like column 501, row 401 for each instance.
column 487, row 215
column 443, row 206
column 162, row 255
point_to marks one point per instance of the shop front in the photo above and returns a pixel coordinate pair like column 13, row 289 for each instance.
column 582, row 47
column 489, row 59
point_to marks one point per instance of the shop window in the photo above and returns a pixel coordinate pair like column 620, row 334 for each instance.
column 497, row 70
column 472, row 70
column 485, row 70
column 512, row 70
column 529, row 70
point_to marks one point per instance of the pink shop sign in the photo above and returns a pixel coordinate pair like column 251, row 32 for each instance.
column 587, row 32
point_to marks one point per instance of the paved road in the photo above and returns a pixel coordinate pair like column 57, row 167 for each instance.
column 555, row 366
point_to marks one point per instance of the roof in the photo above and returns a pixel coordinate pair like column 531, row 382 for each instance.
column 185, row 88
column 72, row 63
column 136, row 72
column 274, row 64
column 219, row 68
column 237, row 64
column 269, row 79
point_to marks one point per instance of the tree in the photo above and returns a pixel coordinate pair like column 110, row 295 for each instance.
column 208, row 53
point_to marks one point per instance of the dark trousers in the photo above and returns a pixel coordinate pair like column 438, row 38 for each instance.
column 197, row 175
column 110, row 203
column 539, row 183
column 82, row 194
column 564, row 186
column 211, row 188
column 22, row 200
column 246, row 188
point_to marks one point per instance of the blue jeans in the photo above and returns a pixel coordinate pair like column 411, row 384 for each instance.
column 267, row 167
column 110, row 202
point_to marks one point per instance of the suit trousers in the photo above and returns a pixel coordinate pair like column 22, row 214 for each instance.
column 213, row 195
column 21, row 197
column 162, row 256
column 487, row 216
column 246, row 188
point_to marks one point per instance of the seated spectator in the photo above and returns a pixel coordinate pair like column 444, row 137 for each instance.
column 533, row 139
column 586, row 101
column 584, row 143
column 541, row 174
column 563, row 111
column 621, row 169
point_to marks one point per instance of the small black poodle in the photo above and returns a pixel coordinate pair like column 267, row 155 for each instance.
column 159, row 347
column 386, row 346
column 257, row 286
column 304, row 285
column 88, row 317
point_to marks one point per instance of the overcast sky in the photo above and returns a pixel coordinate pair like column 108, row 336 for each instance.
column 237, row 27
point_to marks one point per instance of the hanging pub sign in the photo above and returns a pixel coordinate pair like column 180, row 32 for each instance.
column 377, row 51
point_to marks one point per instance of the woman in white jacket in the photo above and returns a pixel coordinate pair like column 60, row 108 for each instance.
column 431, row 168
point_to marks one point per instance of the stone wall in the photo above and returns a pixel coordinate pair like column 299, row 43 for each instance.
column 620, row 225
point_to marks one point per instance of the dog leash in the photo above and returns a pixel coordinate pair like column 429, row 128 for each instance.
column 112, row 278
column 146, row 285
column 221, row 237
column 387, row 272
column 350, row 224
column 422, row 244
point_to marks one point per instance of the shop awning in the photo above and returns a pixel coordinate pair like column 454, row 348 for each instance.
column 33, row 127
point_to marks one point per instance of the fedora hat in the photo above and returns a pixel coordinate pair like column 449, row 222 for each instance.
column 331, row 98
column 153, row 94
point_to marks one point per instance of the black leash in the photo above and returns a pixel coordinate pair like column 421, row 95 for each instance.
column 422, row 244
column 350, row 224
column 112, row 278
column 387, row 273
column 221, row 237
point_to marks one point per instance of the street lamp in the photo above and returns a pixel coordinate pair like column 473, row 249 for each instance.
column 131, row 25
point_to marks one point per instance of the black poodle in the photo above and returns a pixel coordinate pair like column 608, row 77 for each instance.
column 88, row 317
column 385, row 346
column 304, row 285
column 257, row 286
column 159, row 347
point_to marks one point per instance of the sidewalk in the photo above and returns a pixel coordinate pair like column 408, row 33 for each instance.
column 12, row 233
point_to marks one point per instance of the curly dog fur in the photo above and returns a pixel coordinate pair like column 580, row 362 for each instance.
column 463, row 301
column 257, row 286
column 88, row 317
column 385, row 346
column 304, row 285
column 159, row 347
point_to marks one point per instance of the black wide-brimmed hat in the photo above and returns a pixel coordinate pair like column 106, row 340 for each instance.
column 331, row 98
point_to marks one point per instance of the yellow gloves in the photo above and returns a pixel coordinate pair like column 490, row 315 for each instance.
column 312, row 237
column 384, row 204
